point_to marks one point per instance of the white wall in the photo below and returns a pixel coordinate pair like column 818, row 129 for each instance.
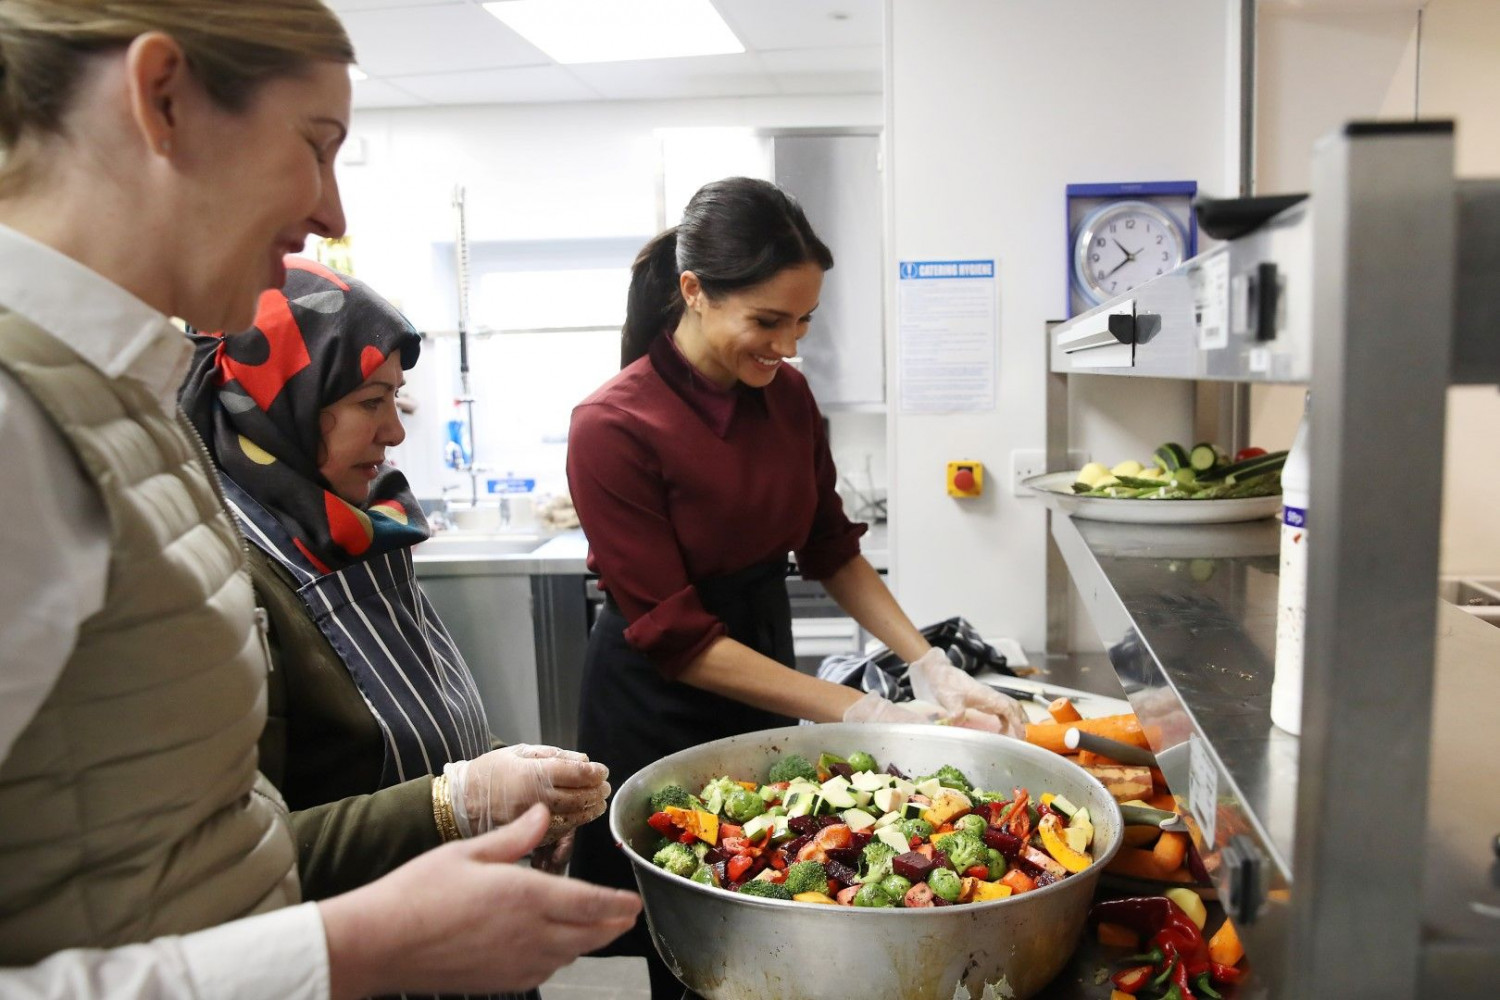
column 553, row 171
column 993, row 106
column 1318, row 69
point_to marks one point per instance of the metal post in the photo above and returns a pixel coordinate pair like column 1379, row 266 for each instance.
column 1383, row 259
column 1057, row 585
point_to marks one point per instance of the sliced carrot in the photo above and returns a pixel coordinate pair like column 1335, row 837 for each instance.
column 1062, row 710
column 1125, row 728
column 1117, row 936
column 1170, row 852
column 1224, row 947
column 1165, row 801
column 1087, row 758
column 1018, row 881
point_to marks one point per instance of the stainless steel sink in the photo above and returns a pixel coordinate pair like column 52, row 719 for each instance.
column 479, row 543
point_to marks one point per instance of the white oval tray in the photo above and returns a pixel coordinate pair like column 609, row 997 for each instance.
column 1055, row 490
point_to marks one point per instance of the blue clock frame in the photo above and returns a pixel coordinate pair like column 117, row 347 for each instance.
column 1173, row 197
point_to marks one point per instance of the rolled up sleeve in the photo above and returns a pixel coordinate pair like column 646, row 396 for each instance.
column 620, row 495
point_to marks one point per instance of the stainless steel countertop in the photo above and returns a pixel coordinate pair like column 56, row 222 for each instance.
column 1189, row 616
column 461, row 553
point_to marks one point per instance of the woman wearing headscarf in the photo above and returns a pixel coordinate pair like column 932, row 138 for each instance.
column 160, row 157
column 377, row 736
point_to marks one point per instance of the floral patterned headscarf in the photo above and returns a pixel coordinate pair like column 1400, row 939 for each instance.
column 255, row 398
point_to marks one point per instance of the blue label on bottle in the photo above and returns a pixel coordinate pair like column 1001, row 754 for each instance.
column 510, row 485
column 1295, row 517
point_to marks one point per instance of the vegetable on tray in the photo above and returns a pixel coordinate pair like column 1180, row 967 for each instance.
column 1177, row 962
column 868, row 838
column 1178, row 473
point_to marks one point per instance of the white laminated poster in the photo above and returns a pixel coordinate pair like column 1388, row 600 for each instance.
column 949, row 335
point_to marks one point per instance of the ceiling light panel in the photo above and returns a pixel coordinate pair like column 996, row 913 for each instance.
column 597, row 31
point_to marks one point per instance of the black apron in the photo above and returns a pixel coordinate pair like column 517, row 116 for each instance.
column 631, row 716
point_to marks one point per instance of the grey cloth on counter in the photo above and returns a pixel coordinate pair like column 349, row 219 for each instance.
column 885, row 673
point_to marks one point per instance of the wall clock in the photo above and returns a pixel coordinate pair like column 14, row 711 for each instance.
column 1123, row 235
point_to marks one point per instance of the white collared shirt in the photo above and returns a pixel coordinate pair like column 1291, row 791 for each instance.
column 55, row 538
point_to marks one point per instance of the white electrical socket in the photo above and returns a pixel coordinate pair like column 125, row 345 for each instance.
column 1024, row 464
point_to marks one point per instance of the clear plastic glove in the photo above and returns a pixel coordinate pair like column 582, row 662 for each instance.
column 494, row 789
column 873, row 708
column 968, row 702
column 463, row 918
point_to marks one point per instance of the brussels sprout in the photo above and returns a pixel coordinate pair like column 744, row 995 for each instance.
column 945, row 883
column 742, row 805
column 895, row 886
column 861, row 761
column 871, row 894
column 971, row 824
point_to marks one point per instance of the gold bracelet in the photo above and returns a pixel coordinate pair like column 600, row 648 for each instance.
column 442, row 810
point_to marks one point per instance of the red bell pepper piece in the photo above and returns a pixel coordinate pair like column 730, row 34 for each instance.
column 738, row 866
column 687, row 837
column 662, row 824
column 977, row 871
column 1132, row 980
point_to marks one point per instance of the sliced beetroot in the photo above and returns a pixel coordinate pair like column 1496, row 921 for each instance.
column 715, row 856
column 912, row 866
column 1003, row 841
column 793, row 846
column 842, row 770
column 918, row 896
column 845, row 855
column 940, row 901
column 1044, row 878
column 804, row 824
column 721, row 871
column 896, row 772
column 829, row 821
column 940, row 859
column 841, row 873
column 858, row 839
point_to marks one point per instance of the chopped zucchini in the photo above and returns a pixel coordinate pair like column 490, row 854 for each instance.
column 1204, row 457
column 1171, row 456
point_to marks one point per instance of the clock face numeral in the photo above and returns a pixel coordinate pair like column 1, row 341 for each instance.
column 1123, row 245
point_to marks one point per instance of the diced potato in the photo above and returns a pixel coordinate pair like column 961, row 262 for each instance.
column 985, row 891
column 1091, row 473
column 1129, row 467
column 813, row 897
column 1191, row 904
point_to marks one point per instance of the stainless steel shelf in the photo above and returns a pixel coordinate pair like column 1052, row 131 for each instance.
column 1189, row 618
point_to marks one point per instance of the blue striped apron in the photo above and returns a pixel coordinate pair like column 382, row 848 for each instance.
column 401, row 658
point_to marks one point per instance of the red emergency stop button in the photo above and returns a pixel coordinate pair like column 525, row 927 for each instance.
column 964, row 479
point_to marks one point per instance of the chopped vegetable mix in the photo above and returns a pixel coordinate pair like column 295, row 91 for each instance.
column 843, row 831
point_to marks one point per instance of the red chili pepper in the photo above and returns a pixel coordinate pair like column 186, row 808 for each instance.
column 1180, row 980
column 662, row 824
column 1225, row 973
column 1132, row 980
column 738, row 866
column 778, row 860
column 977, row 871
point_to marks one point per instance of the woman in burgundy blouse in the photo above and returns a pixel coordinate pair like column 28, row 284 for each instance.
column 695, row 471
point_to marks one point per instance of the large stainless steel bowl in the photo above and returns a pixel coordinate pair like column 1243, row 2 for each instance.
column 725, row 946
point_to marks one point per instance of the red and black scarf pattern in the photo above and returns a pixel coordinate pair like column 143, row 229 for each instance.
column 255, row 398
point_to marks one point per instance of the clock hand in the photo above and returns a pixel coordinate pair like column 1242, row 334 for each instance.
column 1122, row 263
column 1128, row 255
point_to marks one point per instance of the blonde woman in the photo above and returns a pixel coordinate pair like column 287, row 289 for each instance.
column 161, row 158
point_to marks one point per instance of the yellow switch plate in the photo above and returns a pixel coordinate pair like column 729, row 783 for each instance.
column 976, row 469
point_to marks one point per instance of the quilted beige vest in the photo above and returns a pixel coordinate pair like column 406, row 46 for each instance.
column 130, row 806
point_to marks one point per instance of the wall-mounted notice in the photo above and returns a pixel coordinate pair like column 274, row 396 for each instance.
column 948, row 335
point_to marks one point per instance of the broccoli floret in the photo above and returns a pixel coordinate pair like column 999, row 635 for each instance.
column 793, row 765
column 951, row 777
column 766, row 890
column 677, row 859
column 971, row 824
column 980, row 797
column 965, row 850
column 877, row 861
column 672, row 795
column 915, row 827
column 662, row 842
column 806, row 876
column 741, row 805
column 861, row 761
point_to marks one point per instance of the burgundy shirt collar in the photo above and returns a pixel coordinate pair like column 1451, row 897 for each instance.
column 714, row 404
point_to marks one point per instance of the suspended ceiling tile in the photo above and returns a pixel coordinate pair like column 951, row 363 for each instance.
column 784, row 24
column 379, row 94
column 434, row 39
column 668, row 79
column 855, row 58
column 527, row 85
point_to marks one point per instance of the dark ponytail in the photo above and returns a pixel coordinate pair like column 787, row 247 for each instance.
column 735, row 233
